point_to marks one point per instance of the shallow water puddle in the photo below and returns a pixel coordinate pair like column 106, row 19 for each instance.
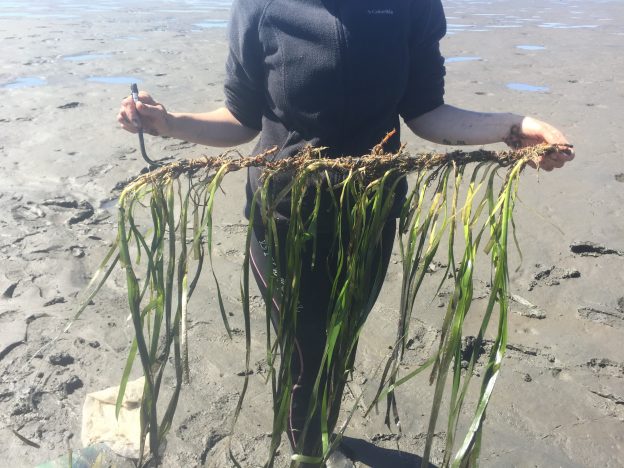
column 114, row 79
column 26, row 14
column 25, row 82
column 527, row 87
column 567, row 26
column 461, row 59
column 84, row 57
column 459, row 27
column 202, row 10
column 207, row 24
column 530, row 47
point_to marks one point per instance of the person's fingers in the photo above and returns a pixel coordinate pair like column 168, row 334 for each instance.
column 146, row 115
column 129, row 109
column 562, row 157
column 125, row 122
column 153, row 117
column 535, row 132
column 542, row 132
column 567, row 154
column 548, row 133
column 552, row 136
column 559, row 158
column 134, row 110
column 146, row 98
column 154, row 111
column 547, row 163
column 551, row 161
column 130, row 128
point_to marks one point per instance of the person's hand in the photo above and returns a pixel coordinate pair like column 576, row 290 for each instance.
column 147, row 114
column 534, row 132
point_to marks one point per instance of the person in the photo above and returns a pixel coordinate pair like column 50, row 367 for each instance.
column 337, row 74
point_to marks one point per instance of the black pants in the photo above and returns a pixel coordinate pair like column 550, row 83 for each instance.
column 314, row 297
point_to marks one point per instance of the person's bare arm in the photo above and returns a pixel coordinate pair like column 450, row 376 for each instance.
column 454, row 126
column 217, row 128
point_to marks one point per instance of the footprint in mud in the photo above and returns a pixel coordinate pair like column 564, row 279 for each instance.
column 84, row 208
column 423, row 338
column 13, row 332
column 525, row 308
column 609, row 396
column 237, row 228
column 99, row 170
column 61, row 202
column 592, row 249
column 234, row 254
column 536, row 356
column 70, row 105
column 121, row 184
column 606, row 367
column 611, row 317
column 182, row 145
column 85, row 212
column 7, row 287
column 28, row 212
column 551, row 276
column 123, row 153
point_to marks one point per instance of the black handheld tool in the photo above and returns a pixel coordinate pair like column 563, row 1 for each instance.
column 134, row 89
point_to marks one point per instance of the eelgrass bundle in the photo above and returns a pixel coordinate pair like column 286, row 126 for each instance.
column 180, row 198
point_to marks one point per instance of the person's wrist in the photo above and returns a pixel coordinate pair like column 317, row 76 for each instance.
column 170, row 122
column 512, row 130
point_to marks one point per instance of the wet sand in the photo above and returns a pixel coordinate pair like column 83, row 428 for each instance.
column 559, row 400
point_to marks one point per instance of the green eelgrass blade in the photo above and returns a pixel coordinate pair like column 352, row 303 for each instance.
column 450, row 340
column 207, row 231
column 134, row 303
column 498, row 350
column 101, row 270
column 182, row 287
column 125, row 376
column 247, row 320
column 416, row 260
column 156, row 255
column 359, row 215
column 129, row 362
column 407, row 377
column 200, row 203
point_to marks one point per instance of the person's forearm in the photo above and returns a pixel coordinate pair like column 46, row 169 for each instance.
column 217, row 128
column 450, row 125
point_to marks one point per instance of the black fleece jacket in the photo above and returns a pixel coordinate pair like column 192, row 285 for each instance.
column 332, row 73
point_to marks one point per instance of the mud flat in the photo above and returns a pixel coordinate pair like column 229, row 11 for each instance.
column 560, row 398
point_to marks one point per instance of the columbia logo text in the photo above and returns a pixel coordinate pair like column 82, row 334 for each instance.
column 381, row 12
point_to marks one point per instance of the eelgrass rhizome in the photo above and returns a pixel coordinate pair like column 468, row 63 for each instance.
column 453, row 195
